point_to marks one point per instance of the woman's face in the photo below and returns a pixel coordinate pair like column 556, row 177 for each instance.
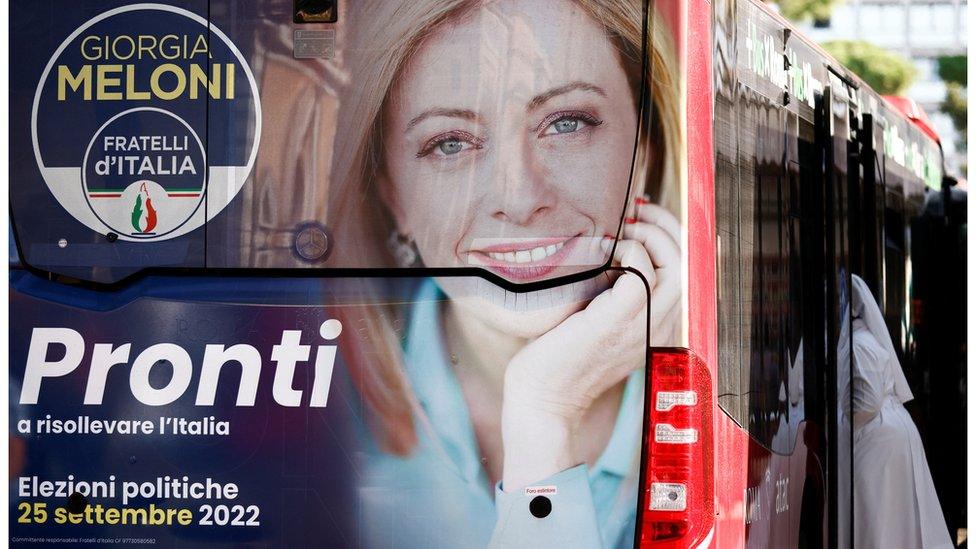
column 508, row 141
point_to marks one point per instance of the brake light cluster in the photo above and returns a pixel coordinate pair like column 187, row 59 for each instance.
column 679, row 505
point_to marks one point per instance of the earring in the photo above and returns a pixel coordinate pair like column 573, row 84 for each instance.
column 404, row 250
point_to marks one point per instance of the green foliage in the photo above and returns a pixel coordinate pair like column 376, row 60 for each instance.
column 887, row 72
column 802, row 10
column 955, row 105
column 952, row 68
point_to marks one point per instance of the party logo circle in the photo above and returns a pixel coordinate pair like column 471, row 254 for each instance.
column 146, row 122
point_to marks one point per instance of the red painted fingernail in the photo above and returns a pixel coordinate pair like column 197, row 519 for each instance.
column 642, row 200
column 630, row 220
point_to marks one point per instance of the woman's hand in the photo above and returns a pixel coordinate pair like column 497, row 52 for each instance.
column 659, row 231
column 553, row 381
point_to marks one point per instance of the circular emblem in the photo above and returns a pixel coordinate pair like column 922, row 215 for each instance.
column 312, row 242
column 173, row 183
column 146, row 122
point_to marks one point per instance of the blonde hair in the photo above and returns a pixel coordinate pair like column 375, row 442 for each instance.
column 394, row 32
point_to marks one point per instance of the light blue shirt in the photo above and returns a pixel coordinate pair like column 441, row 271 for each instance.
column 439, row 496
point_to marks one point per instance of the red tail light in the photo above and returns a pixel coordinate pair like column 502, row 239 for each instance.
column 678, row 488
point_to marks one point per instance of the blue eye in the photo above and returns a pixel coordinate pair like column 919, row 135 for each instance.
column 566, row 125
column 451, row 146
column 567, row 122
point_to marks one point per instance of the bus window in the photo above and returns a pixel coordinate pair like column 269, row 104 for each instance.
column 281, row 147
column 769, row 389
column 894, row 267
column 755, row 227
column 750, row 359
column 727, row 221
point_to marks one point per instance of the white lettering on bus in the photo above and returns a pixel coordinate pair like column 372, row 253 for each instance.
column 68, row 346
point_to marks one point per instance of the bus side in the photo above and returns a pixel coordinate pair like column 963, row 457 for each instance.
column 808, row 190
column 767, row 160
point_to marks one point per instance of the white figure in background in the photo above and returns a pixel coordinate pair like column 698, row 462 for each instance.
column 895, row 503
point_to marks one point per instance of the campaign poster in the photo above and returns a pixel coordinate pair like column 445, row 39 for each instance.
column 342, row 274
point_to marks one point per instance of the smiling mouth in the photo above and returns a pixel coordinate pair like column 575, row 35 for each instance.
column 528, row 258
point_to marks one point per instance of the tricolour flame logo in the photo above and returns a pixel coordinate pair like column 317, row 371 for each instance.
column 143, row 220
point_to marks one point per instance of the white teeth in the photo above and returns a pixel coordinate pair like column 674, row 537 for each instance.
column 526, row 256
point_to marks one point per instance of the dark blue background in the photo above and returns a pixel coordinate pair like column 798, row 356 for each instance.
column 298, row 464
column 37, row 29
